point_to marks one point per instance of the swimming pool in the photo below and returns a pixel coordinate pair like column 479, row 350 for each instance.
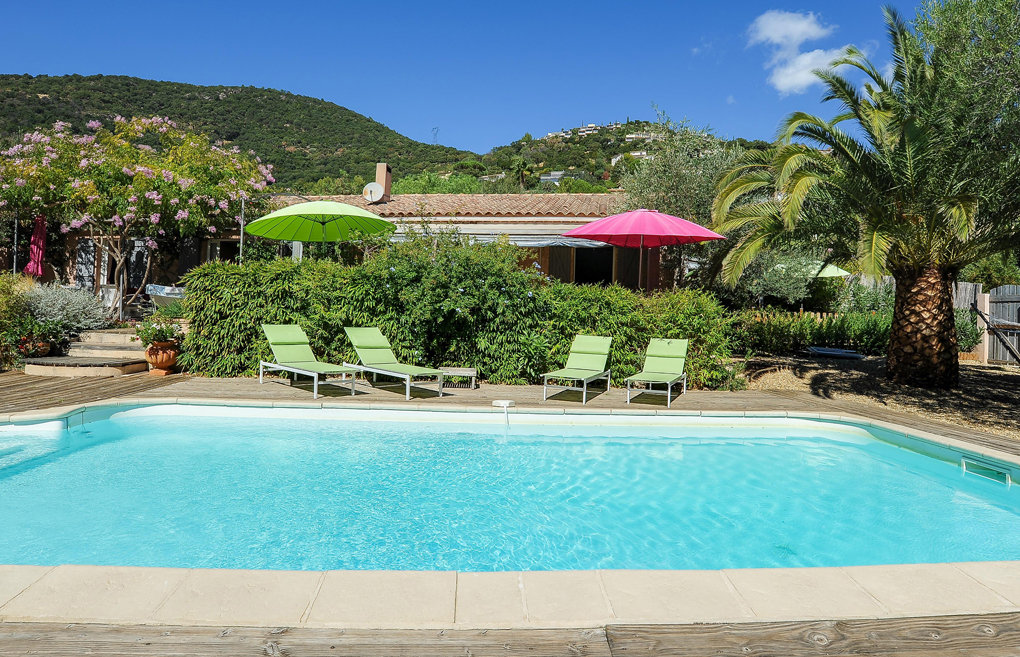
column 239, row 487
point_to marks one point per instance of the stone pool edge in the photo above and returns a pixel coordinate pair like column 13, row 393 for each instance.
column 533, row 599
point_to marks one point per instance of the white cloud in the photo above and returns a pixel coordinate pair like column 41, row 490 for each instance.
column 785, row 32
column 730, row 100
column 794, row 75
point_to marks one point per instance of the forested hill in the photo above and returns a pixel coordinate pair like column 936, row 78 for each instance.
column 304, row 138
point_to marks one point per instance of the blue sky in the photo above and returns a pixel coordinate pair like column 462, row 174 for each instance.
column 483, row 73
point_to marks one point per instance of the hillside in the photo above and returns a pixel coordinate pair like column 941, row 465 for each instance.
column 304, row 138
column 591, row 153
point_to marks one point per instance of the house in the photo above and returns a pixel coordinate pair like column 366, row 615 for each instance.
column 637, row 155
column 553, row 177
column 534, row 221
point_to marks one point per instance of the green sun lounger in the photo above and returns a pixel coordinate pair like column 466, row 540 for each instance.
column 586, row 363
column 664, row 363
column 377, row 357
column 293, row 354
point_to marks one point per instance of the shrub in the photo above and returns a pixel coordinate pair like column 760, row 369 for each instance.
column 226, row 304
column 777, row 332
column 856, row 297
column 13, row 310
column 610, row 311
column 30, row 337
column 441, row 301
column 968, row 333
column 172, row 310
column 71, row 309
column 699, row 317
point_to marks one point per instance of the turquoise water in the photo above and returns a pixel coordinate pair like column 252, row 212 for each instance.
column 256, row 492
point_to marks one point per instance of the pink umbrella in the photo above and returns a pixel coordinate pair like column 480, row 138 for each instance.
column 37, row 248
column 642, row 229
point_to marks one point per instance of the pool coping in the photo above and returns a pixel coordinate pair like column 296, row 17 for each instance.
column 530, row 599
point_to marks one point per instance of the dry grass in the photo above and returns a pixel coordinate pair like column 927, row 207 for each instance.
column 988, row 397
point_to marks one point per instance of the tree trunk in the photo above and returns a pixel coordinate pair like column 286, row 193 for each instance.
column 922, row 343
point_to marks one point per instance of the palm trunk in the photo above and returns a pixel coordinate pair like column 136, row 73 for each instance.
column 922, row 343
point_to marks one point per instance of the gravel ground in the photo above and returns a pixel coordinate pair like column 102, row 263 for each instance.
column 988, row 397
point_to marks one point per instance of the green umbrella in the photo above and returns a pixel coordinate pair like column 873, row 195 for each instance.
column 318, row 221
column 831, row 271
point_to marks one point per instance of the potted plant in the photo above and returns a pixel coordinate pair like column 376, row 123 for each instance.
column 162, row 341
column 34, row 338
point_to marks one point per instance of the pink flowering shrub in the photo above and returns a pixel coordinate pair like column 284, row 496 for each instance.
column 114, row 183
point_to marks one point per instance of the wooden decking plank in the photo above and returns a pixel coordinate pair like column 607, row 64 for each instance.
column 988, row 634
column 20, row 392
column 143, row 640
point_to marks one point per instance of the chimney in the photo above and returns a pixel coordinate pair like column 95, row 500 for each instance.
column 384, row 176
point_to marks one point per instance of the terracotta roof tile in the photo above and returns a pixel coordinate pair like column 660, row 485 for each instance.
column 481, row 205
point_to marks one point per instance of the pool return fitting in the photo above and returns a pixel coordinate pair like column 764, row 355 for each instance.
column 505, row 404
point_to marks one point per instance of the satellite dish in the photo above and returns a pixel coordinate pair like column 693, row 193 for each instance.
column 373, row 192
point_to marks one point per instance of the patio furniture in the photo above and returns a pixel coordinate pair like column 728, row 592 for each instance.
column 164, row 295
column 586, row 363
column 293, row 354
column 463, row 372
column 377, row 357
column 664, row 363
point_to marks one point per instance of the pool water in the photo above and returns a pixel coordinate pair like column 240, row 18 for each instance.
column 161, row 487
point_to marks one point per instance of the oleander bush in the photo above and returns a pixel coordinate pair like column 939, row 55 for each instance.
column 441, row 300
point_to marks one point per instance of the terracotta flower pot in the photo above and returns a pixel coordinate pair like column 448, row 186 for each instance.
column 162, row 356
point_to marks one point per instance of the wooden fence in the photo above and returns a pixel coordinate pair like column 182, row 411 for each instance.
column 964, row 294
column 1004, row 311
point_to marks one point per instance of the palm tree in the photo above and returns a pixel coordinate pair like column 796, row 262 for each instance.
column 893, row 190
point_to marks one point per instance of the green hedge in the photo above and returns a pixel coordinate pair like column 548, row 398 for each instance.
column 442, row 301
column 780, row 332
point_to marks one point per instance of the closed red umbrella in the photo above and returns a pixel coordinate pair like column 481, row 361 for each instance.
column 37, row 248
column 642, row 229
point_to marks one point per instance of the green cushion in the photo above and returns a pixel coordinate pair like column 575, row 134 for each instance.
column 654, row 377
column 668, row 348
column 589, row 352
column 288, row 342
column 291, row 353
column 374, row 351
column 366, row 337
column 290, row 347
column 411, row 370
column 574, row 373
column 320, row 367
column 666, row 356
column 284, row 334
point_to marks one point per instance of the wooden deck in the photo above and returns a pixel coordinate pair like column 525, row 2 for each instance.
column 993, row 635
column 20, row 392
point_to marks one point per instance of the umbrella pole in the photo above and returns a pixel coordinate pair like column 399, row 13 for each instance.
column 640, row 258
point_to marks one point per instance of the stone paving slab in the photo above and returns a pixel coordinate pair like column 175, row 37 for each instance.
column 537, row 599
